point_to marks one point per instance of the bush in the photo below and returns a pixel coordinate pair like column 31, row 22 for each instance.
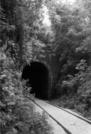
column 17, row 114
column 76, row 90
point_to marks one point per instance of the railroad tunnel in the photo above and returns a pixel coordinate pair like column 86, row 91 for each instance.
column 37, row 75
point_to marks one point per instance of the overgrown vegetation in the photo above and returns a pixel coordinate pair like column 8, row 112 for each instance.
column 72, row 26
column 17, row 114
column 67, row 37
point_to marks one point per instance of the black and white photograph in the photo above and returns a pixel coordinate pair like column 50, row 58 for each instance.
column 45, row 66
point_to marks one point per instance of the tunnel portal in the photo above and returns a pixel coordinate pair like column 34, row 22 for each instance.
column 38, row 78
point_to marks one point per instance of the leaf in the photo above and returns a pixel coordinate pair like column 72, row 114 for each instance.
column 2, row 104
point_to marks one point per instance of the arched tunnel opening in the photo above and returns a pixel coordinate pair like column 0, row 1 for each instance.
column 37, row 75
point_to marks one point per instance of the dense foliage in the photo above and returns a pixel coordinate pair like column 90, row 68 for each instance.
column 72, row 44
column 17, row 114
column 22, row 34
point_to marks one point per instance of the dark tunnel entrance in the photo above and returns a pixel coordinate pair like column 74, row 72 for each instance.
column 38, row 76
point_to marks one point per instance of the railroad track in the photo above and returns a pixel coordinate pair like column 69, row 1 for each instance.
column 67, row 126
column 78, row 115
column 64, row 128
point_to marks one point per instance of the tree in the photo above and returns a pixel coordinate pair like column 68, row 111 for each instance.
column 16, row 111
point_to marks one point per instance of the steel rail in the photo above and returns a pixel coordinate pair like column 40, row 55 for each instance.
column 78, row 116
column 63, row 109
column 64, row 128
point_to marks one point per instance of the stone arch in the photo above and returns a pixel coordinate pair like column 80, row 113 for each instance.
column 39, row 78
